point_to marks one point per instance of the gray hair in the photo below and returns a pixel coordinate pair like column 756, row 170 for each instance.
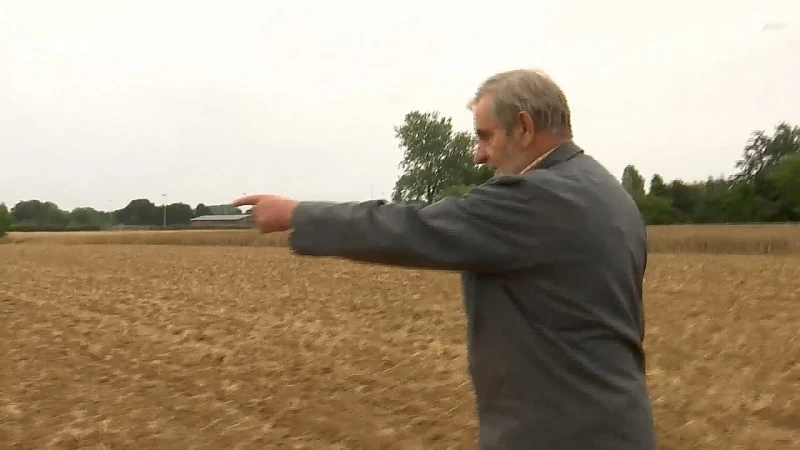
column 531, row 91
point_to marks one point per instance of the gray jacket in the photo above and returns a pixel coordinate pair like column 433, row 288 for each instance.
column 552, row 265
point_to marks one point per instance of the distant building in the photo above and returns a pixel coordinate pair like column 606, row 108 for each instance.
column 223, row 221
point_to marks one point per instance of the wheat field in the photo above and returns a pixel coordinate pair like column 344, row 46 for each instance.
column 238, row 238
column 231, row 341
column 779, row 239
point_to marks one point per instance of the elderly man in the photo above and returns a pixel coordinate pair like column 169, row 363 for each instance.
column 552, row 252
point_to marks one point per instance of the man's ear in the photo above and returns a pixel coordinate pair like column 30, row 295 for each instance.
column 526, row 127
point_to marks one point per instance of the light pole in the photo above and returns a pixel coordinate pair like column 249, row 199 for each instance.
column 110, row 214
column 164, row 202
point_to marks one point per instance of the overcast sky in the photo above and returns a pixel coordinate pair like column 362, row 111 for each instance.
column 105, row 101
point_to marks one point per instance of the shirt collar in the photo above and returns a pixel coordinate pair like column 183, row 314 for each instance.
column 560, row 153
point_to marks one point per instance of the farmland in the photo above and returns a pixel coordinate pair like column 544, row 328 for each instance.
column 715, row 239
column 230, row 341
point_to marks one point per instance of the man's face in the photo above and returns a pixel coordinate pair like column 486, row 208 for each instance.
column 495, row 147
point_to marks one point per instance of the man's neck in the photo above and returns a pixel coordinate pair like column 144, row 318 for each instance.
column 552, row 146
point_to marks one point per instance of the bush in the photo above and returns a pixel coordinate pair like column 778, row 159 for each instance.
column 5, row 220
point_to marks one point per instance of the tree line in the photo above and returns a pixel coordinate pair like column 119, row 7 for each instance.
column 437, row 163
column 765, row 187
column 36, row 215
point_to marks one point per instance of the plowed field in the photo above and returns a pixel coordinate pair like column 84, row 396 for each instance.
column 162, row 347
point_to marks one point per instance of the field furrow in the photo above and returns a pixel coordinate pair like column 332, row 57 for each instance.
column 136, row 346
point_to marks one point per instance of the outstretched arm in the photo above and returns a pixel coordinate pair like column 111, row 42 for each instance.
column 488, row 230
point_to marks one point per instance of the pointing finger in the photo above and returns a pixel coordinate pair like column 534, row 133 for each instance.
column 247, row 200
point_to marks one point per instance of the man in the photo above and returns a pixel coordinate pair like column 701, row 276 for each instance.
column 552, row 252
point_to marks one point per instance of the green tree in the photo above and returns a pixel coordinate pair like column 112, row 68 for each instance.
column 759, row 193
column 202, row 210
column 785, row 178
column 140, row 211
column 39, row 214
column 658, row 210
column 474, row 175
column 684, row 198
column 763, row 151
column 657, row 187
column 711, row 205
column 5, row 219
column 633, row 182
column 745, row 204
column 437, row 159
column 86, row 217
column 179, row 214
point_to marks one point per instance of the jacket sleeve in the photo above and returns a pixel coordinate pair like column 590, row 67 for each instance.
column 488, row 230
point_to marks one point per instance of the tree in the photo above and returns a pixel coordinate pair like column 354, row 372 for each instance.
column 745, row 204
column 435, row 159
column 760, row 186
column 179, row 214
column 684, row 197
column 658, row 210
column 86, row 217
column 711, row 204
column 763, row 152
column 657, row 187
column 40, row 214
column 140, row 211
column 785, row 178
column 202, row 210
column 633, row 182
column 5, row 219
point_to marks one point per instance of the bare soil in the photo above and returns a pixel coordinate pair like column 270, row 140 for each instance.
column 162, row 347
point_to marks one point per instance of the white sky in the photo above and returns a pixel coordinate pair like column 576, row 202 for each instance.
column 105, row 101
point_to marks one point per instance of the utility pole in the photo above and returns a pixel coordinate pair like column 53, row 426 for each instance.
column 110, row 215
column 164, row 201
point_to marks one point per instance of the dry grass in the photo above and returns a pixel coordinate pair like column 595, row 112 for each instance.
column 240, row 238
column 714, row 239
column 203, row 347
column 725, row 239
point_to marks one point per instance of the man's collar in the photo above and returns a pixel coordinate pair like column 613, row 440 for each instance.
column 559, row 154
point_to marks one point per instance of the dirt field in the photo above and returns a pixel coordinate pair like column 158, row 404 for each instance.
column 156, row 347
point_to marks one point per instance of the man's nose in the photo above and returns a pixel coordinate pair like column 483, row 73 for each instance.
column 478, row 155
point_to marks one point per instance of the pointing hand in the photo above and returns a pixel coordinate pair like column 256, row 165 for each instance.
column 271, row 213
